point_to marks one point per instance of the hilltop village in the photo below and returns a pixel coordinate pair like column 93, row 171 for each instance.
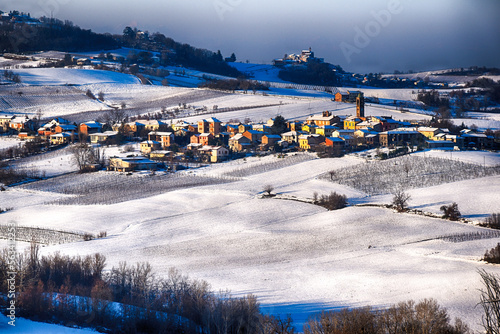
column 212, row 141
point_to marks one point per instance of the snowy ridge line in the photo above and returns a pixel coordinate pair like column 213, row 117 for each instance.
column 269, row 166
column 41, row 235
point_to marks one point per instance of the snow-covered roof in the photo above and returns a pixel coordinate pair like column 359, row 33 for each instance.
column 159, row 133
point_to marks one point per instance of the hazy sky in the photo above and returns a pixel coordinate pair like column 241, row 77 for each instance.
column 361, row 36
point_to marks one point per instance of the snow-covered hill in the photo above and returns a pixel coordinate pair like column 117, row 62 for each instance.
column 296, row 257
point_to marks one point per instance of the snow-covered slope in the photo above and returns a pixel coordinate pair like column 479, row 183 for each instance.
column 296, row 257
column 67, row 76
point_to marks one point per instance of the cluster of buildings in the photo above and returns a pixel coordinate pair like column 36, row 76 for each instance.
column 210, row 140
column 297, row 59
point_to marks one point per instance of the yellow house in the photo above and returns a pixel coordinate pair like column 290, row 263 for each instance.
column 325, row 130
column 351, row 122
column 428, row 131
column 60, row 138
column 311, row 128
column 307, row 142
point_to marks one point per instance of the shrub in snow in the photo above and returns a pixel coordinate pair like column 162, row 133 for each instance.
column 407, row 317
column 333, row 201
column 451, row 211
column 493, row 221
column 493, row 255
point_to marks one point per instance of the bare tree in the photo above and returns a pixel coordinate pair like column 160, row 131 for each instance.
column 100, row 96
column 115, row 116
column 332, row 174
column 490, row 301
column 400, row 200
column 268, row 189
column 85, row 156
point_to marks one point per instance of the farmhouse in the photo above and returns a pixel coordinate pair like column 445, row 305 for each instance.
column 130, row 164
column 4, row 122
column 90, row 127
column 166, row 139
column 400, row 137
column 239, row 143
column 104, row 138
column 60, row 138
column 149, row 145
column 326, row 118
column 20, row 123
column 292, row 136
column 308, row 142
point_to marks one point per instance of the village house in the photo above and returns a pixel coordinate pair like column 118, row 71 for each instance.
column 326, row 130
column 131, row 129
column 353, row 95
column 161, row 155
column 309, row 128
column 90, row 127
column 326, row 118
column 261, row 127
column 149, row 145
column 4, row 122
column 61, row 138
column 400, row 137
column 232, row 129
column 429, row 132
column 351, row 122
column 369, row 125
column 292, row 136
column 268, row 142
column 152, row 125
column 180, row 125
column 211, row 125
column 131, row 164
column 71, row 128
column 310, row 141
column 215, row 153
column 194, row 139
column 244, row 127
column 254, row 136
column 477, row 140
column 20, row 123
column 239, row 143
column 294, row 125
column 341, row 97
column 336, row 145
column 206, row 138
column 367, row 137
column 166, row 139
column 105, row 138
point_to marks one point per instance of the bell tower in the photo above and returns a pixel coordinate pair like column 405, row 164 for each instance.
column 360, row 106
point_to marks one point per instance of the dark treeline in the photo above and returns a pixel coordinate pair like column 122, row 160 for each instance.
column 431, row 98
column 76, row 291
column 235, row 84
column 175, row 53
column 314, row 73
column 17, row 36
column 52, row 34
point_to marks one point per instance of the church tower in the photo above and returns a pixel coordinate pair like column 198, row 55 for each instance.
column 360, row 106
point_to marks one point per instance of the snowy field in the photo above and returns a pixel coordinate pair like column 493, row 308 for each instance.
column 24, row 326
column 296, row 257
column 68, row 76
